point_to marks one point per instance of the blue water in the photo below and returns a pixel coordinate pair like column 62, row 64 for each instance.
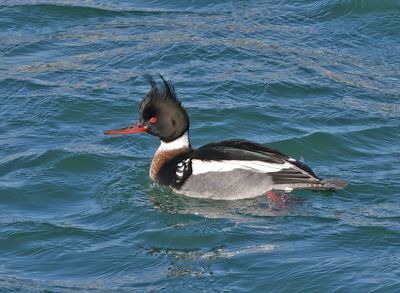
column 318, row 80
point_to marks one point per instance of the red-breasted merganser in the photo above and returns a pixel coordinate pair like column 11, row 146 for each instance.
column 225, row 170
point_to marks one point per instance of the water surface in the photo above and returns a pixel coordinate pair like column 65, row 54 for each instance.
column 318, row 80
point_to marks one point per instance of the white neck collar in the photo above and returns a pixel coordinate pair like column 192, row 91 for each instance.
column 179, row 143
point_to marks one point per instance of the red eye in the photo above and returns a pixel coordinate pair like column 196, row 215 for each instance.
column 153, row 120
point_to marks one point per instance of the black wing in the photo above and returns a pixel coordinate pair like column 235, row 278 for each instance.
column 238, row 150
column 246, row 150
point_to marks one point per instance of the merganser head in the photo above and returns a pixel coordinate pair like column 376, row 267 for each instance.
column 160, row 114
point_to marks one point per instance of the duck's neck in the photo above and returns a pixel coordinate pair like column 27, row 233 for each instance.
column 167, row 151
column 181, row 142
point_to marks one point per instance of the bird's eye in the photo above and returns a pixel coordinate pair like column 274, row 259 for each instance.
column 153, row 120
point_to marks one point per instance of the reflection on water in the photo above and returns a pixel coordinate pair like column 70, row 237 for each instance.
column 238, row 210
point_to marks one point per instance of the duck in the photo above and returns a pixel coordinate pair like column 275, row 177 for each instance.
column 224, row 170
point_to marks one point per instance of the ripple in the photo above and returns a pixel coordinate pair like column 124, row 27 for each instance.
column 78, row 211
column 328, row 10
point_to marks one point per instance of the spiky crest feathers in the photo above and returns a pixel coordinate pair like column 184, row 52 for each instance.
column 156, row 94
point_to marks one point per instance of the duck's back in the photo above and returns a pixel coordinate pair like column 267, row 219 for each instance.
column 237, row 169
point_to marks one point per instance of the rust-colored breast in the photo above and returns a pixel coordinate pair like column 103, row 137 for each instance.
column 160, row 158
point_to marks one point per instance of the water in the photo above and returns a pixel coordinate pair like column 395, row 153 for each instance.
column 315, row 79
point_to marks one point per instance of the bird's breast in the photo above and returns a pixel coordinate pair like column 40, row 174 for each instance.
column 161, row 158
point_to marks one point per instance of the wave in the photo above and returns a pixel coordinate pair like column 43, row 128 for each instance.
column 61, row 159
column 69, row 11
column 328, row 10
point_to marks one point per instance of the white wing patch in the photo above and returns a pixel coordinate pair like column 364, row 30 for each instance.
column 200, row 166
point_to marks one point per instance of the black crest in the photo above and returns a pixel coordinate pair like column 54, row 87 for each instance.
column 158, row 95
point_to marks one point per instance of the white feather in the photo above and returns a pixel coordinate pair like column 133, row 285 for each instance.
column 200, row 166
column 179, row 143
